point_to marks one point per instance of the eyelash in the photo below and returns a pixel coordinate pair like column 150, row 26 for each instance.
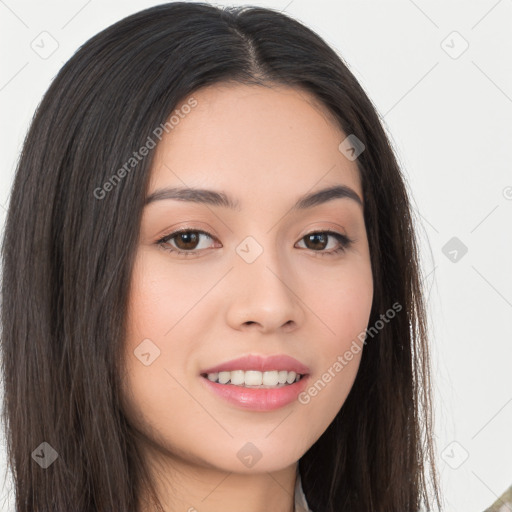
column 344, row 241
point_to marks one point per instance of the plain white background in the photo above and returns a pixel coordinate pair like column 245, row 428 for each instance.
column 440, row 75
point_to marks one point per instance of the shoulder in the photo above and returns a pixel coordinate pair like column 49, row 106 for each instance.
column 503, row 503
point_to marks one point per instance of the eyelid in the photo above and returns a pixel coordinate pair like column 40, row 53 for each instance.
column 199, row 229
column 192, row 226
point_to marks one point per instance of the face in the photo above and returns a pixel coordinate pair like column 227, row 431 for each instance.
column 266, row 277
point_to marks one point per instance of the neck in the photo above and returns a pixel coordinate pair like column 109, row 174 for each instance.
column 182, row 485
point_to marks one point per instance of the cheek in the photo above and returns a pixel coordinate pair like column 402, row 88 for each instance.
column 163, row 307
column 162, row 293
column 156, row 400
column 343, row 305
column 155, row 359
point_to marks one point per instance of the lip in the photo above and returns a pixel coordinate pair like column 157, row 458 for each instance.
column 257, row 399
column 263, row 399
column 261, row 363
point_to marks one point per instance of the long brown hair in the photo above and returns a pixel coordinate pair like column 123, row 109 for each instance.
column 68, row 255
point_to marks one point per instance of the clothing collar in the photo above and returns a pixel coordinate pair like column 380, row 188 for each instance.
column 301, row 504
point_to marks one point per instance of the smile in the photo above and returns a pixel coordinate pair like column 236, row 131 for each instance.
column 255, row 379
column 257, row 398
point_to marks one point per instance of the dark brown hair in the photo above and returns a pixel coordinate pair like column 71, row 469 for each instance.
column 68, row 256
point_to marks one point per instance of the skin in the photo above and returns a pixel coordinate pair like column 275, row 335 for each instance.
column 265, row 147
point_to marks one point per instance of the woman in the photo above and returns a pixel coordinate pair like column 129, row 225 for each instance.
column 212, row 295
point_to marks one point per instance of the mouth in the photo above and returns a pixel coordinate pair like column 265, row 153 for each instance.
column 256, row 382
column 254, row 379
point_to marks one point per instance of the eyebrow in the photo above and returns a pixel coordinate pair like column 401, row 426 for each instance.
column 213, row 198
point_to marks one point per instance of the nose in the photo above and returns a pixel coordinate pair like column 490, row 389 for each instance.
column 264, row 295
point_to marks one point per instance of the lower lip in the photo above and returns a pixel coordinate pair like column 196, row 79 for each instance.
column 265, row 399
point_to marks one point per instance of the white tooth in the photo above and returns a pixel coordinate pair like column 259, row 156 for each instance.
column 253, row 378
column 238, row 377
column 291, row 377
column 224, row 377
column 270, row 378
column 282, row 376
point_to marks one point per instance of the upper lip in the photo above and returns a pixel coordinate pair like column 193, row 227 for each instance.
column 260, row 363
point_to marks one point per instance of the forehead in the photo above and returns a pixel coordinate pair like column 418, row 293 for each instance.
column 253, row 138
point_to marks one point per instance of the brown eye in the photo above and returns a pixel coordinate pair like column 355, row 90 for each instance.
column 184, row 241
column 319, row 240
column 187, row 241
column 316, row 241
